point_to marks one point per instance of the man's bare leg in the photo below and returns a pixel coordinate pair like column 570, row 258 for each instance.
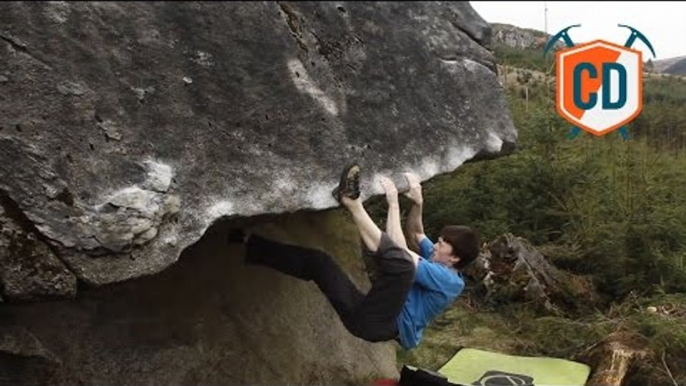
column 393, row 225
column 371, row 234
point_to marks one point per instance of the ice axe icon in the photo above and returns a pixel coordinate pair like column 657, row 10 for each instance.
column 630, row 42
column 564, row 35
column 636, row 34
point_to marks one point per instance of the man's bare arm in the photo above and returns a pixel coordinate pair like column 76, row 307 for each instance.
column 393, row 227
column 415, row 227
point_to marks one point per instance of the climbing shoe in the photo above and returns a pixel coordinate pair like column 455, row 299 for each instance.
column 349, row 185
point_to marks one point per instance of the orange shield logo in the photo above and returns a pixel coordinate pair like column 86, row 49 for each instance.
column 599, row 86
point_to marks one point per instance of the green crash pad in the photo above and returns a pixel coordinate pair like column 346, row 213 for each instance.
column 484, row 368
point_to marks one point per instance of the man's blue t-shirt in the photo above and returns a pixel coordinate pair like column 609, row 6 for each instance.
column 435, row 287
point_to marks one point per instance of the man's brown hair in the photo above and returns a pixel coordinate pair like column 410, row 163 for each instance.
column 465, row 242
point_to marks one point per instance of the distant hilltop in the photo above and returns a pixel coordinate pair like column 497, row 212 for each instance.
column 673, row 66
column 531, row 39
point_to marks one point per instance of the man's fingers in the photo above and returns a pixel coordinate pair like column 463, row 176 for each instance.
column 412, row 179
column 414, row 192
column 388, row 184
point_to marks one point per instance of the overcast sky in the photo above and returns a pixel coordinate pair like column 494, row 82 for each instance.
column 663, row 23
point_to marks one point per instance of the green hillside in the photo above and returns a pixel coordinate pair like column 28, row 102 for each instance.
column 598, row 206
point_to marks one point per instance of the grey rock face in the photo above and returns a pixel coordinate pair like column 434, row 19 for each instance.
column 24, row 360
column 127, row 129
column 209, row 319
column 29, row 270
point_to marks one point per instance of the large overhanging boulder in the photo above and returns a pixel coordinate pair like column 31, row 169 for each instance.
column 130, row 131
column 127, row 129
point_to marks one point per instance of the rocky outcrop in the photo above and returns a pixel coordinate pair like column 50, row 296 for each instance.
column 522, row 38
column 510, row 269
column 127, row 129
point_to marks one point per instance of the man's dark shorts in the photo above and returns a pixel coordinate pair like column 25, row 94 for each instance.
column 377, row 315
